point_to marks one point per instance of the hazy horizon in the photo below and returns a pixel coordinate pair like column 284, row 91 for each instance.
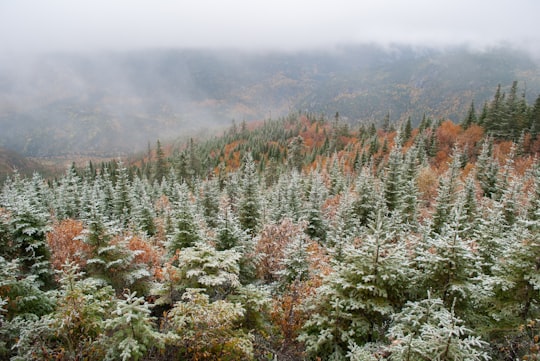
column 29, row 27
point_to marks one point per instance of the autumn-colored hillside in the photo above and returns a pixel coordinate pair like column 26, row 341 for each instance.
column 303, row 238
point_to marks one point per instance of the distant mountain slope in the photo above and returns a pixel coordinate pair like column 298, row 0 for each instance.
column 115, row 103
column 11, row 161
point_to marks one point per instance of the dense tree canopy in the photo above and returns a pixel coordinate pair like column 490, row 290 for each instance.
column 297, row 239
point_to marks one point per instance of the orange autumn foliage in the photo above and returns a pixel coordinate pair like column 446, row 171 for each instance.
column 147, row 254
column 272, row 242
column 66, row 245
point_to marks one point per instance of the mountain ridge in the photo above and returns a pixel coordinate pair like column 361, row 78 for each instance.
column 114, row 104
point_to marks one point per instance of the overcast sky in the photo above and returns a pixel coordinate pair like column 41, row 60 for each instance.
column 72, row 25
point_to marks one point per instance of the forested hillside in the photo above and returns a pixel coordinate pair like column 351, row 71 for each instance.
column 112, row 104
column 289, row 239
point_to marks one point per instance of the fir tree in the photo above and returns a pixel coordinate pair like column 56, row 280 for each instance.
column 427, row 330
column 186, row 230
column 358, row 298
column 249, row 211
column 131, row 328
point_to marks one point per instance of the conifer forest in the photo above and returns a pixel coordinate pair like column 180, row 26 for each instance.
column 299, row 238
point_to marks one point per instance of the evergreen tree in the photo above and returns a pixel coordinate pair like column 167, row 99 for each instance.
column 68, row 195
column 427, row 330
column 393, row 179
column 161, row 163
column 121, row 196
column 210, row 202
column 186, row 230
column 357, row 299
column 317, row 226
column 249, row 210
column 111, row 260
column 471, row 118
column 487, row 170
column 295, row 153
column 448, row 265
column 131, row 328
column 534, row 119
column 446, row 196
column 27, row 227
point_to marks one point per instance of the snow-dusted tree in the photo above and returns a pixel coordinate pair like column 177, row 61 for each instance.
column 393, row 179
column 449, row 265
column 446, row 195
column 355, row 301
column 186, row 230
column 199, row 329
column 335, row 173
column 76, row 327
column 516, row 281
column 487, row 170
column 427, row 330
column 22, row 304
column 143, row 213
column 364, row 204
column 21, row 291
column 317, row 226
column 27, row 226
column 111, row 259
column 231, row 236
column 294, row 266
column 249, row 209
column 209, row 202
column 68, row 193
column 131, row 329
column 202, row 266
column 122, row 195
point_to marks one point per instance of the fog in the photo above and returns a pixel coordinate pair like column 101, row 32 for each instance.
column 111, row 76
column 65, row 25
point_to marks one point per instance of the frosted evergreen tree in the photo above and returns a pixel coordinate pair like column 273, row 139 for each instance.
column 364, row 203
column 317, row 226
column 22, row 292
column 342, row 228
column 278, row 199
column 27, row 225
column 487, row 170
column 111, row 259
column 448, row 265
column 132, row 333
column 231, row 236
column 68, row 195
column 533, row 209
column 209, row 202
column 516, row 281
column 337, row 182
column 186, row 230
column 356, row 301
column 143, row 213
column 295, row 200
column 295, row 263
column 203, row 267
column 393, row 179
column 428, row 330
column 447, row 194
column 122, row 195
column 249, row 210
column 76, row 326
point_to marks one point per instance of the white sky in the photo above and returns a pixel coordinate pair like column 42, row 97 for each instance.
column 78, row 25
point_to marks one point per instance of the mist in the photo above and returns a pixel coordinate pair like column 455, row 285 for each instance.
column 61, row 25
column 106, row 78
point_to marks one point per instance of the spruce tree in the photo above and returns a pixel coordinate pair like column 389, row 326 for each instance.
column 249, row 209
column 356, row 301
column 186, row 230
